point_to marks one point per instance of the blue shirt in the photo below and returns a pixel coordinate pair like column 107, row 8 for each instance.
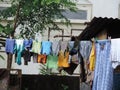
column 9, row 46
column 27, row 43
column 46, row 47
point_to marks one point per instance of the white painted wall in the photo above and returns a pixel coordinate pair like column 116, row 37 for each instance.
column 105, row 8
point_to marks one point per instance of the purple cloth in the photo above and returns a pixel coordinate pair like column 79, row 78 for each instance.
column 35, row 57
column 63, row 45
column 10, row 44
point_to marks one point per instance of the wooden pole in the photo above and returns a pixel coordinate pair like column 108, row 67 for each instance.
column 9, row 55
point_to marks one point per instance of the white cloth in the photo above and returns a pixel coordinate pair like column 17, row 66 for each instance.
column 38, row 37
column 55, row 47
column 115, row 52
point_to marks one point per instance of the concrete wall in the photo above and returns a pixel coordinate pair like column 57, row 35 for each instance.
column 105, row 8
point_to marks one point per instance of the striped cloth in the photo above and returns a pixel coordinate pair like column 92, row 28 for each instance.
column 103, row 76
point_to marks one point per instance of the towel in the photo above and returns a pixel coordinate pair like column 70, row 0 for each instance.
column 115, row 52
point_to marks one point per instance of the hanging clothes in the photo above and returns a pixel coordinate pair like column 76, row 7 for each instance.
column 42, row 58
column 27, row 43
column 36, row 47
column 9, row 45
column 26, row 56
column 85, row 49
column 46, row 47
column 52, row 61
column 63, row 59
column 38, row 37
column 55, row 47
column 73, row 56
column 72, row 49
column 18, row 49
column 35, row 58
column 92, row 58
column 103, row 75
column 63, row 45
column 75, row 59
column 115, row 52
column 70, row 45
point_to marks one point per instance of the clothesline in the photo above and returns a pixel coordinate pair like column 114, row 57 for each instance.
column 40, row 50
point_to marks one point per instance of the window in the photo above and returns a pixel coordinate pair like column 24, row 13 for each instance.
column 83, row 14
column 79, row 14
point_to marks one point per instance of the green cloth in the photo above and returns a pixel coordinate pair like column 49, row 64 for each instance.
column 52, row 61
column 18, row 50
column 36, row 47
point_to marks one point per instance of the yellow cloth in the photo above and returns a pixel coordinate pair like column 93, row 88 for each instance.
column 92, row 58
column 63, row 59
column 36, row 47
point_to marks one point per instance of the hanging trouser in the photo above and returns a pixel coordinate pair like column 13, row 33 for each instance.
column 103, row 75
column 84, row 50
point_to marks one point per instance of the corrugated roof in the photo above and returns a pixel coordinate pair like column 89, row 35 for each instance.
column 99, row 24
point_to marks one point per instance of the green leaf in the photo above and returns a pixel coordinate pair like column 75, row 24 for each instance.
column 36, row 15
column 1, row 28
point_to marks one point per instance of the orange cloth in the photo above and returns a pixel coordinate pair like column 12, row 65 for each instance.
column 63, row 59
column 42, row 58
column 92, row 58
